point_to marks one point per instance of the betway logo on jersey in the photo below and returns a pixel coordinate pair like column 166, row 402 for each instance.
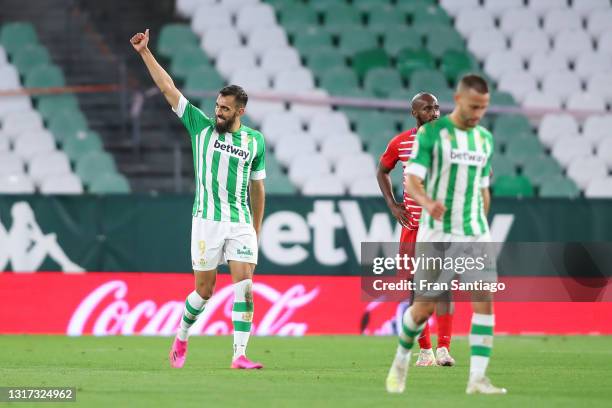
column 231, row 149
column 469, row 158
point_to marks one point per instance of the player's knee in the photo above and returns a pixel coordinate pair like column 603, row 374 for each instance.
column 421, row 311
column 205, row 289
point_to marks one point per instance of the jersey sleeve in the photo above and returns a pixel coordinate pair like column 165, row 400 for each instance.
column 487, row 171
column 422, row 152
column 390, row 156
column 193, row 118
column 258, row 165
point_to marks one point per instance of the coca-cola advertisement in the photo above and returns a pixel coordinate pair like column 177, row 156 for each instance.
column 152, row 303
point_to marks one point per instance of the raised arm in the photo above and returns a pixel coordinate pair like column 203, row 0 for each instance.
column 164, row 82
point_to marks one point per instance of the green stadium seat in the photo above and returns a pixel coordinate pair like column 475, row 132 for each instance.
column 510, row 126
column 428, row 81
column 485, row 122
column 500, row 98
column 323, row 5
column 94, row 164
column 367, row 60
column 67, row 123
column 340, row 14
column 446, row 40
column 298, row 13
column 521, row 156
column 278, row 183
column 204, row 78
column 70, row 115
column 502, row 166
column 16, row 36
column 188, row 59
column 50, row 105
column 402, row 94
column 377, row 145
column 410, row 60
column 558, row 187
column 82, row 143
column 207, row 104
column 539, row 171
column 339, row 80
column 395, row 117
column 30, row 57
column 445, row 96
column 430, row 29
column 310, row 41
column 324, row 60
column 356, row 92
column 379, row 19
column 296, row 27
column 280, row 5
column 509, row 186
column 409, row 122
column 455, row 62
column 397, row 38
column 45, row 76
column 431, row 14
column 373, row 125
column 370, row 5
column 524, row 142
column 382, row 81
column 356, row 39
column 409, row 7
column 173, row 36
column 110, row 183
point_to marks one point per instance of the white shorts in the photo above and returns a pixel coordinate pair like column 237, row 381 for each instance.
column 426, row 234
column 216, row 242
column 452, row 251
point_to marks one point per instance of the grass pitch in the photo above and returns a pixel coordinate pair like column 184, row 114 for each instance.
column 310, row 372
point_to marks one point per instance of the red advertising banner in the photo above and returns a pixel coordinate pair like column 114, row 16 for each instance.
column 152, row 304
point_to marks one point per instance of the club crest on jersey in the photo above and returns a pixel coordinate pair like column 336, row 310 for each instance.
column 231, row 149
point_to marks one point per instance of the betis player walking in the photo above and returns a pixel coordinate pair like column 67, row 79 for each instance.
column 425, row 108
column 228, row 158
column 448, row 175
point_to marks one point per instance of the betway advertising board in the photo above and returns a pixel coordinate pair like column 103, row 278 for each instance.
column 300, row 236
column 151, row 304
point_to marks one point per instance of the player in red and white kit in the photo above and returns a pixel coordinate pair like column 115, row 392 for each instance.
column 425, row 108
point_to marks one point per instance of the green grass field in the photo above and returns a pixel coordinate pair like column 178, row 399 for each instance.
column 309, row 372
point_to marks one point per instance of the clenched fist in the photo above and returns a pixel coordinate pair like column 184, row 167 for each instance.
column 436, row 209
column 140, row 41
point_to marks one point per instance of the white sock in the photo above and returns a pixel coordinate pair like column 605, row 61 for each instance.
column 194, row 305
column 242, row 315
column 481, row 343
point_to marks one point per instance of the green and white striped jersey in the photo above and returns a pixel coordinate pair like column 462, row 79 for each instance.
column 455, row 166
column 223, row 165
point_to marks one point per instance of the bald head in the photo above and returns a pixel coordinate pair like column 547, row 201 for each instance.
column 425, row 108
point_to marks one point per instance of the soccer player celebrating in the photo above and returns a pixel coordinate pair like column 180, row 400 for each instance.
column 448, row 176
column 228, row 158
column 425, row 108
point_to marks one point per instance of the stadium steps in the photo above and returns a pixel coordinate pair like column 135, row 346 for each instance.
column 151, row 167
column 74, row 37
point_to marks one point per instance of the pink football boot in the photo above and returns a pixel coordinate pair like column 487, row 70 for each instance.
column 244, row 363
column 178, row 353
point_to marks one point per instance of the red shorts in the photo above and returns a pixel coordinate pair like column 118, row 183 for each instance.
column 408, row 235
column 407, row 244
